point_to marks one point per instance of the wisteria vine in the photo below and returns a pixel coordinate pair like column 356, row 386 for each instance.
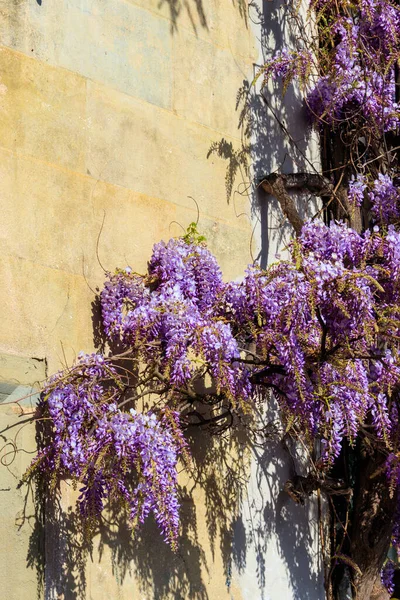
column 348, row 71
column 320, row 330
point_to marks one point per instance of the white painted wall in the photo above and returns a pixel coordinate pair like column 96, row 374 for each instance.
column 283, row 557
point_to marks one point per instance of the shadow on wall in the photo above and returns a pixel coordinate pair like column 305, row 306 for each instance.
column 242, row 525
column 242, row 522
column 211, row 516
column 240, row 529
column 275, row 521
column 209, row 519
column 274, row 130
column 194, row 10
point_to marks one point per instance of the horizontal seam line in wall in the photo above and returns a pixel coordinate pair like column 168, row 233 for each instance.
column 97, row 82
column 95, row 181
column 78, row 276
column 188, row 30
column 93, row 280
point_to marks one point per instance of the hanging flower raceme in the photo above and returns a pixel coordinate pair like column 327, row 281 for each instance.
column 111, row 453
column 353, row 82
column 310, row 329
column 316, row 322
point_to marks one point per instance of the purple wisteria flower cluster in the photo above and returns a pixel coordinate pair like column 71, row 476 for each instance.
column 170, row 317
column 309, row 329
column 360, row 80
column 354, row 80
column 112, row 453
column 387, row 576
column 320, row 330
column 316, row 321
column 349, row 85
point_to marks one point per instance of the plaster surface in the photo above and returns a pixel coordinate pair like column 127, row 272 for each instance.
column 119, row 121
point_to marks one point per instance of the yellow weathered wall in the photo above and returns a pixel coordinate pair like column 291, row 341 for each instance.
column 107, row 111
column 109, row 107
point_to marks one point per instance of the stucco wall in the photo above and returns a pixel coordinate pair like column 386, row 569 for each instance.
column 108, row 110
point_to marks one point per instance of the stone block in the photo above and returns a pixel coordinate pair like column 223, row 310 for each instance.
column 207, row 80
column 21, row 370
column 46, row 312
column 133, row 223
column 223, row 23
column 156, row 153
column 21, row 533
column 47, row 213
column 231, row 27
column 62, row 225
column 43, row 110
column 117, row 43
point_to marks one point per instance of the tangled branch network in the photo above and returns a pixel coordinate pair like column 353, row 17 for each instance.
column 323, row 328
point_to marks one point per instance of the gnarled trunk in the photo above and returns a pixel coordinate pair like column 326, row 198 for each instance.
column 370, row 530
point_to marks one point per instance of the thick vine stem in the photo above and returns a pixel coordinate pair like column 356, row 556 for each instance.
column 278, row 184
column 310, row 182
column 276, row 187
